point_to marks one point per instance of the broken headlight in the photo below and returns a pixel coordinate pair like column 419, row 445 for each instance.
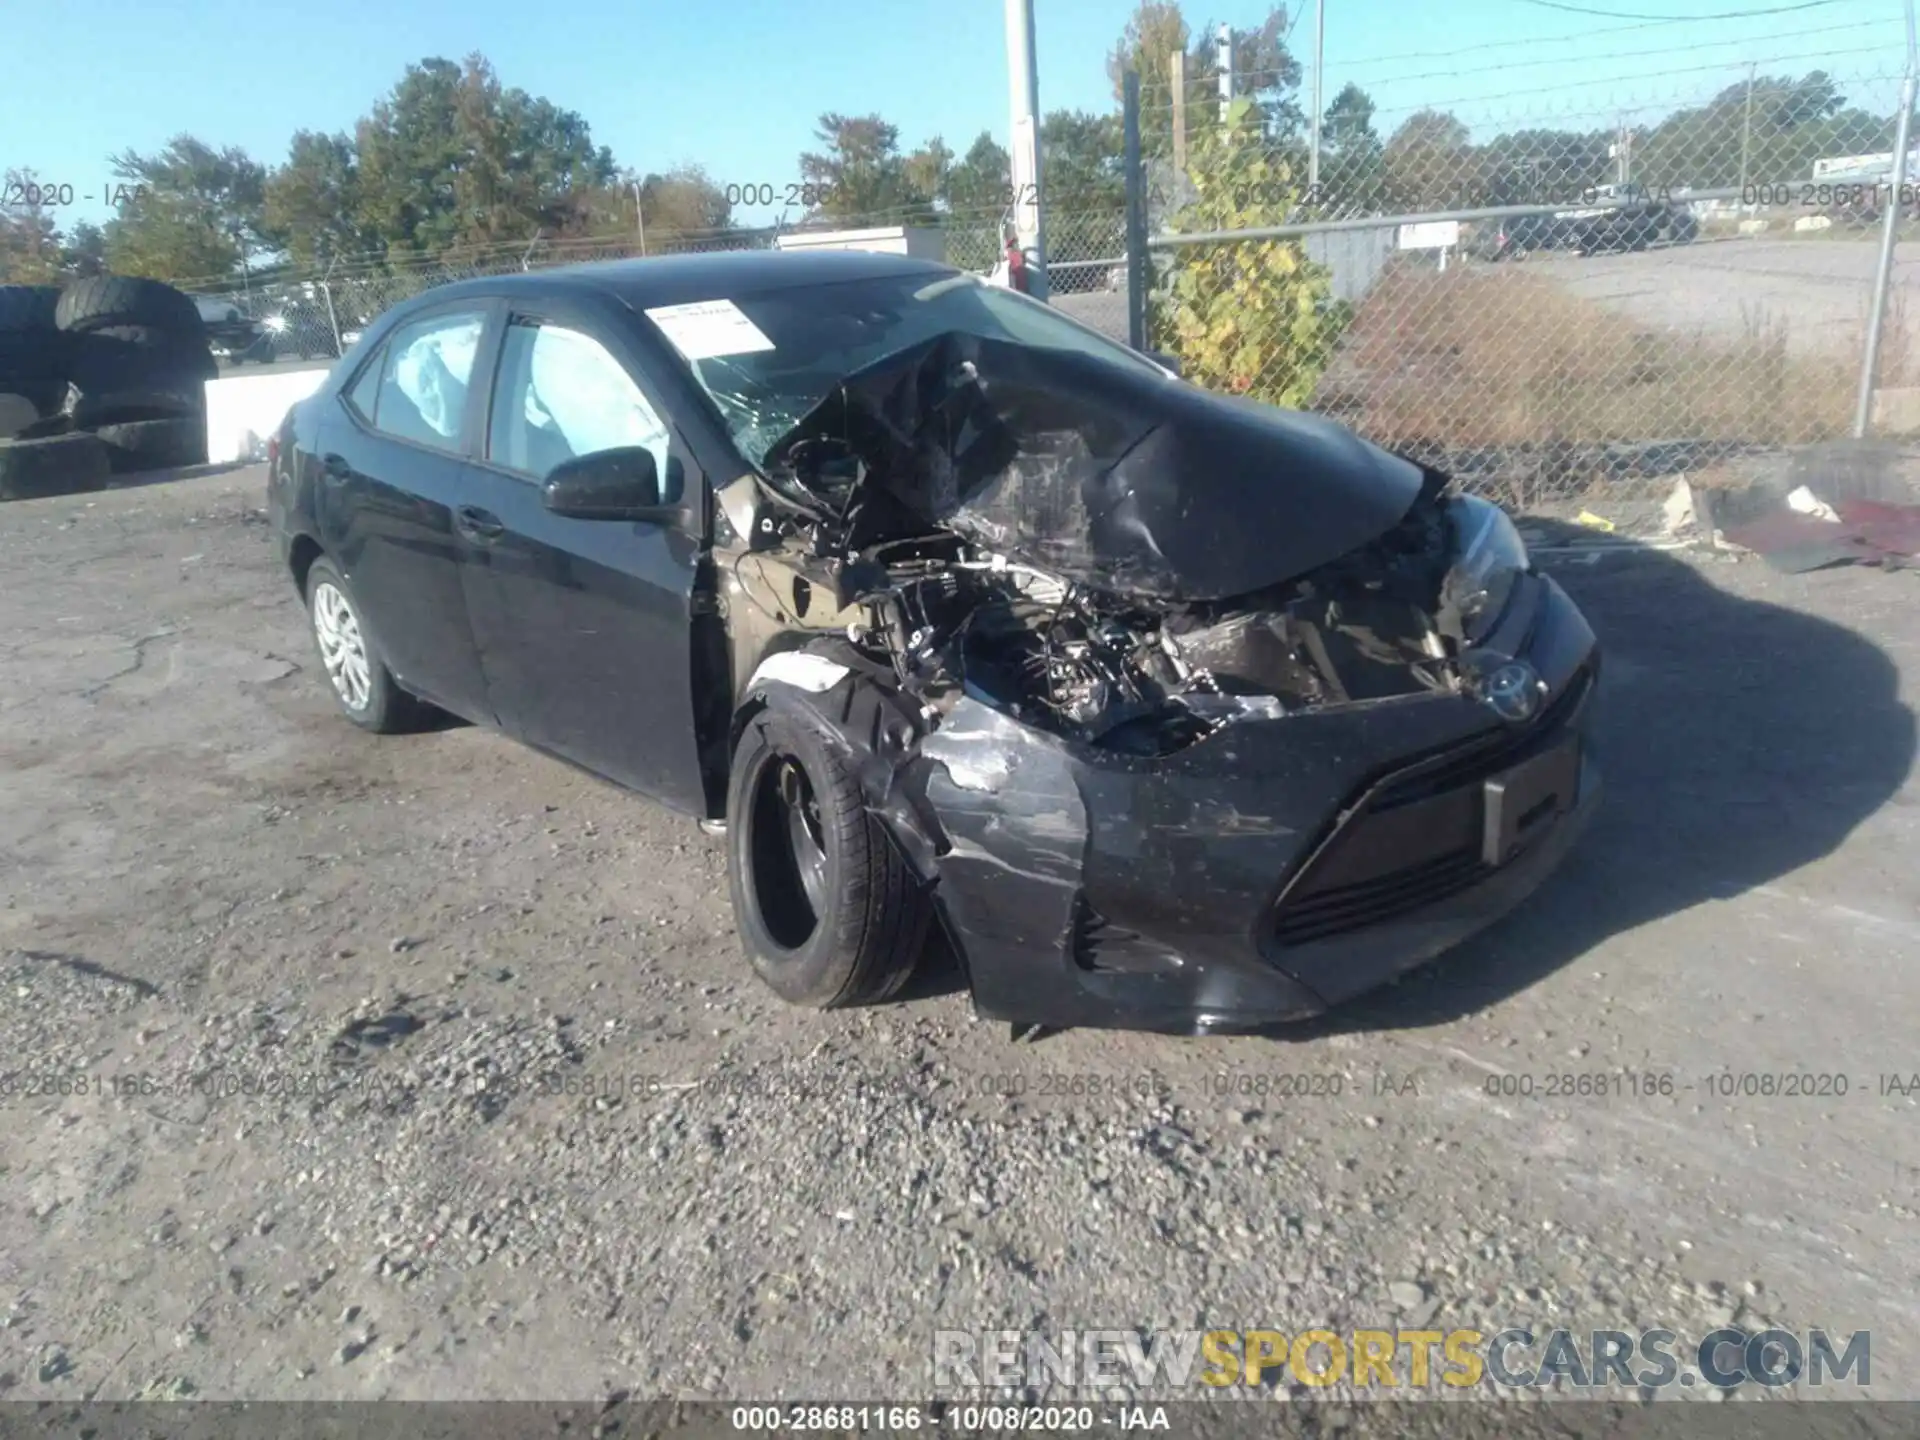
column 1491, row 558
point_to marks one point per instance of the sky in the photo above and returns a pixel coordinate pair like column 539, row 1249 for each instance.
column 738, row 86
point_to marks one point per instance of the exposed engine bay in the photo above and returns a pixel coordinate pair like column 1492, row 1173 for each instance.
column 983, row 523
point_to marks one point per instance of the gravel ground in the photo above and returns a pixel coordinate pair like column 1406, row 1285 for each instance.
column 537, row 1133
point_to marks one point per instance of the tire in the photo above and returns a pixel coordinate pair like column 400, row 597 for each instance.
column 107, row 301
column 382, row 706
column 32, row 357
column 28, row 307
column 155, row 444
column 134, row 407
column 17, row 412
column 101, row 364
column 62, row 465
column 853, row 934
column 44, row 392
column 148, row 335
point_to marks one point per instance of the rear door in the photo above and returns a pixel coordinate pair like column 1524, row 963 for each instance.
column 584, row 627
column 394, row 478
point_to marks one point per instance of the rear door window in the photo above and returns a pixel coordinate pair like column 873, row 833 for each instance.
column 364, row 397
column 422, row 394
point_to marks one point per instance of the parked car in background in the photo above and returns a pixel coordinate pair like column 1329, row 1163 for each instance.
column 1635, row 220
column 234, row 336
column 1517, row 236
column 1620, row 217
column 1180, row 712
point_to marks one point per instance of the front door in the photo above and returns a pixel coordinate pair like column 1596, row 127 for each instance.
column 584, row 627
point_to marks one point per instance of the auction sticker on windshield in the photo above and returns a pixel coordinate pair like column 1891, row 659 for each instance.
column 707, row 329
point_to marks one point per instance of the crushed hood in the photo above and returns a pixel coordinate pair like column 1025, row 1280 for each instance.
column 1109, row 475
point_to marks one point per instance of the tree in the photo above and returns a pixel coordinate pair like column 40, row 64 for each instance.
column 84, row 252
column 1788, row 125
column 198, row 212
column 977, row 184
column 925, row 178
column 451, row 157
column 1252, row 317
column 1428, row 163
column 1264, row 70
column 1546, row 167
column 1155, row 33
column 313, row 203
column 859, row 168
column 684, row 201
column 1082, row 160
column 29, row 239
column 1351, row 173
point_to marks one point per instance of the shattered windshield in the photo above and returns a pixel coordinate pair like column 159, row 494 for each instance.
column 773, row 357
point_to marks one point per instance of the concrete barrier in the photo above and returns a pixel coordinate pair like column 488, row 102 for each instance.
column 243, row 410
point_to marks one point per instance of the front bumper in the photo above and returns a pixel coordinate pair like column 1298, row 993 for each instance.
column 1278, row 868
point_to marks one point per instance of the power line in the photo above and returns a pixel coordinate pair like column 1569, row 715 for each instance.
column 1601, row 59
column 1595, row 60
column 1723, row 15
column 1579, row 35
column 1613, row 108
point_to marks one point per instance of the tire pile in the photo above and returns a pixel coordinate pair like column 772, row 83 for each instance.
column 102, row 377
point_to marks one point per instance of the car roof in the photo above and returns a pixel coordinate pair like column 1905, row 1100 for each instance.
column 682, row 279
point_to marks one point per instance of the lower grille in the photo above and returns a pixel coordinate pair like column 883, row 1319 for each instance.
column 1417, row 836
column 1348, row 907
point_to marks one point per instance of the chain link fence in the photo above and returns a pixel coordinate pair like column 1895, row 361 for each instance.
column 1568, row 308
column 317, row 314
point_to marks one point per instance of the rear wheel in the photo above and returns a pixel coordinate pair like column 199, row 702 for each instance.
column 362, row 685
column 828, row 910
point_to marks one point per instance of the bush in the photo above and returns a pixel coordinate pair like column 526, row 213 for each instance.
column 1248, row 317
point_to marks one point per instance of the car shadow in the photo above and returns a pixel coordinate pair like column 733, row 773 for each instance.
column 1738, row 741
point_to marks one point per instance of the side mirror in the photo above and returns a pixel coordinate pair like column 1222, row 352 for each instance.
column 1163, row 359
column 619, row 484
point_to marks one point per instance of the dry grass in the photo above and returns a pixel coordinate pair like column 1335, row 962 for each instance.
column 1484, row 356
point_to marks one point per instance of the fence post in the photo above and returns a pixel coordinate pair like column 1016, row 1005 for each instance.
column 1136, row 268
column 1889, row 232
column 333, row 318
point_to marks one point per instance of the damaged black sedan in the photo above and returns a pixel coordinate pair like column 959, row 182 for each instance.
column 1175, row 711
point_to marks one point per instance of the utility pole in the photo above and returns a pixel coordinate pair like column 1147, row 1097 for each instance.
column 1319, row 65
column 1746, row 135
column 1889, row 232
column 1224, row 63
column 1177, row 69
column 1023, row 83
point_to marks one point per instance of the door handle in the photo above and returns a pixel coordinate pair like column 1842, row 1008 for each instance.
column 478, row 524
column 335, row 467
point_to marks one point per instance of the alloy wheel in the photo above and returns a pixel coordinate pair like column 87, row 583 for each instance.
column 787, row 844
column 343, row 649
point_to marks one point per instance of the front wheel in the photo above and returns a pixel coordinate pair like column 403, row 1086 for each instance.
column 362, row 685
column 828, row 910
